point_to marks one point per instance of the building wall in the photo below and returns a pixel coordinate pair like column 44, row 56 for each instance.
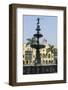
column 49, row 59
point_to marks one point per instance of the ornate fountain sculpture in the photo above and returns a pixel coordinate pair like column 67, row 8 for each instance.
column 38, row 46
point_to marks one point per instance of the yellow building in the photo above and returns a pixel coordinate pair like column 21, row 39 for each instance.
column 30, row 54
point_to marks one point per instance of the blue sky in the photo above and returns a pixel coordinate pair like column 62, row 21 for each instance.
column 48, row 25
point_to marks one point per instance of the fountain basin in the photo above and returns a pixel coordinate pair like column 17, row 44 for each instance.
column 38, row 35
column 38, row 46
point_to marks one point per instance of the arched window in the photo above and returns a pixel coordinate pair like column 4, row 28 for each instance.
column 49, row 61
column 48, row 55
column 46, row 62
column 26, row 61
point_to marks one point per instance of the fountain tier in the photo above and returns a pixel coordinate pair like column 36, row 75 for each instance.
column 38, row 46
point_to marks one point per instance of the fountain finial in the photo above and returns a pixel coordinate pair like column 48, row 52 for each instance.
column 38, row 20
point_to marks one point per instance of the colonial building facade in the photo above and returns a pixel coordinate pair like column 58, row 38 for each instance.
column 29, row 55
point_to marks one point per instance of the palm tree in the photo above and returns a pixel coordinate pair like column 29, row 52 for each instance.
column 31, row 41
column 55, row 51
column 52, row 50
column 55, row 55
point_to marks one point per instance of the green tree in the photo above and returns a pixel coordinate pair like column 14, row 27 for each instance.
column 31, row 41
column 55, row 51
column 51, row 49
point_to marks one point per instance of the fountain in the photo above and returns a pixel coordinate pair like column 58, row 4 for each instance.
column 38, row 68
column 38, row 46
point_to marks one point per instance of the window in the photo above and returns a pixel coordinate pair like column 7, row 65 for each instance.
column 48, row 55
column 49, row 61
column 46, row 62
column 27, row 62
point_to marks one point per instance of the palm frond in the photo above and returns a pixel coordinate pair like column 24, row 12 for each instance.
column 29, row 39
column 27, row 44
column 48, row 50
column 51, row 49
